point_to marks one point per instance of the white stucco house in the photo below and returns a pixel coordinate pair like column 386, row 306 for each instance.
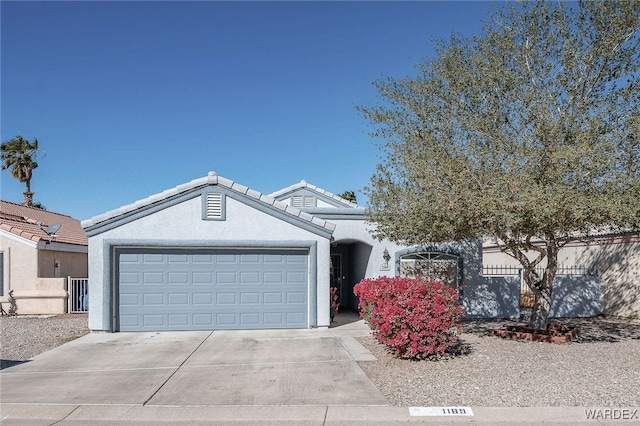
column 215, row 254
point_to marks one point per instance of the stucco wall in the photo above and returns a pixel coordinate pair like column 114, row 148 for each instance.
column 21, row 263
column 369, row 258
column 181, row 225
column 30, row 273
column 68, row 264
column 617, row 261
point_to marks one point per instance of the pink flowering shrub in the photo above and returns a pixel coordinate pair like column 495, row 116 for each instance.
column 416, row 318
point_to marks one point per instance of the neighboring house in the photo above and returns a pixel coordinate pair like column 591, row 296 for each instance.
column 34, row 264
column 615, row 257
column 214, row 254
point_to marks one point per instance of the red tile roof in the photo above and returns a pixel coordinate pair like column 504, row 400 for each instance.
column 25, row 222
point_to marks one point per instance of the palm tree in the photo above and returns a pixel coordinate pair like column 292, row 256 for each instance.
column 19, row 154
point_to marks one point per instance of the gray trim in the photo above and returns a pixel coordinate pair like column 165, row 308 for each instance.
column 65, row 247
column 329, row 213
column 144, row 211
column 223, row 206
column 110, row 272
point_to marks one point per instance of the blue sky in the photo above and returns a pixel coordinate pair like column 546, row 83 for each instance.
column 128, row 99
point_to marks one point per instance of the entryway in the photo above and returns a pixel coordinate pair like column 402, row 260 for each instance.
column 349, row 260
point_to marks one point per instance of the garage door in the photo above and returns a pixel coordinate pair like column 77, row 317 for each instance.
column 211, row 289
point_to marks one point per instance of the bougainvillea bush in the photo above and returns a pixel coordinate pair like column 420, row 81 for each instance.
column 414, row 317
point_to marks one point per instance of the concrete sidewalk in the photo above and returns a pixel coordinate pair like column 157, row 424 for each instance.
column 306, row 377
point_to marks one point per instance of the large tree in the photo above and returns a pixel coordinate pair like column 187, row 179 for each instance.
column 20, row 155
column 527, row 133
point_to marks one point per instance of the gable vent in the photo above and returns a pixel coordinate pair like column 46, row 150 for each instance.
column 300, row 201
column 213, row 206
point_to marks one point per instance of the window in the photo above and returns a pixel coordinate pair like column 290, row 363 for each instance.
column 213, row 206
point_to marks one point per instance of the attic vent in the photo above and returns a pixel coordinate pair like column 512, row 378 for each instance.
column 300, row 201
column 213, row 206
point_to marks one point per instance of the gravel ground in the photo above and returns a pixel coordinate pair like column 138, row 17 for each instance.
column 600, row 369
column 24, row 336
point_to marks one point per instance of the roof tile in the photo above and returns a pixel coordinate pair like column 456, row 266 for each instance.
column 30, row 222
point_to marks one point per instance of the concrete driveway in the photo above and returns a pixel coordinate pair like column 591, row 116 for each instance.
column 296, row 377
column 200, row 368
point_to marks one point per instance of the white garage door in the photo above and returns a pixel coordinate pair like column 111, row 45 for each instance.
column 211, row 289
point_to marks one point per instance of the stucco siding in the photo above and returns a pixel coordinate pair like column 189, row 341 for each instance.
column 21, row 264
column 372, row 260
column 57, row 264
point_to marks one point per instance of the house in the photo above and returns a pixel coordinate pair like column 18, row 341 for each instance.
column 215, row 254
column 37, row 256
column 614, row 256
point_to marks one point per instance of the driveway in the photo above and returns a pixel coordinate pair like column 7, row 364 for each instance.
column 200, row 368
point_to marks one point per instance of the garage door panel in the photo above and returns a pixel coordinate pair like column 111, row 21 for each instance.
column 152, row 278
column 249, row 277
column 226, row 299
column 150, row 299
column 178, row 258
column 273, row 277
column 227, row 278
column 296, row 298
column 179, row 320
column 251, row 319
column 178, row 299
column 212, row 289
column 249, row 259
column 271, row 298
column 153, row 258
column 207, row 259
column 249, row 298
column 153, row 320
column 178, row 278
column 203, row 320
column 203, row 299
column 296, row 277
column 203, row 278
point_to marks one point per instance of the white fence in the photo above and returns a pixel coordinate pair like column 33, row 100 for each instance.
column 78, row 289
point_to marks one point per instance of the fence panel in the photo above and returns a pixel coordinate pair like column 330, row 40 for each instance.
column 526, row 295
column 78, row 289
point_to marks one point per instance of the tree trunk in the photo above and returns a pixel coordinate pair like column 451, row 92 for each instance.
column 541, row 308
column 543, row 289
column 28, row 199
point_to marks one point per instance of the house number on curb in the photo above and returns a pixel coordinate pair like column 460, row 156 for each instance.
column 440, row 411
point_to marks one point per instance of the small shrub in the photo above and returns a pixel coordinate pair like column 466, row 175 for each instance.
column 414, row 317
column 335, row 302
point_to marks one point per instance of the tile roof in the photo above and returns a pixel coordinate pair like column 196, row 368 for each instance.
column 305, row 184
column 212, row 178
column 28, row 223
